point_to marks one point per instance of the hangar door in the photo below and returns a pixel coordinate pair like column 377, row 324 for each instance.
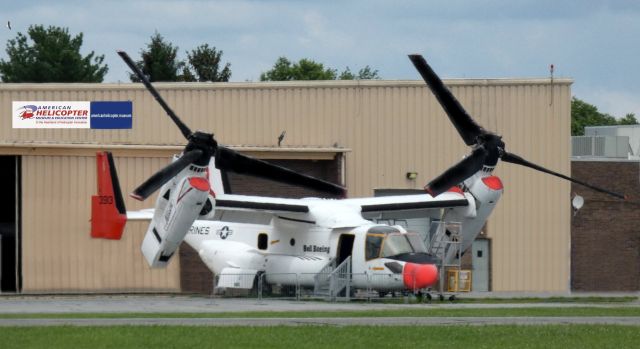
column 10, row 224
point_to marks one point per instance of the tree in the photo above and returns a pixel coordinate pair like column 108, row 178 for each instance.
column 366, row 73
column 306, row 69
column 159, row 61
column 51, row 56
column 629, row 119
column 281, row 71
column 204, row 65
column 584, row 114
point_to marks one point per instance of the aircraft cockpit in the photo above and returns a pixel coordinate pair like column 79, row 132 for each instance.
column 390, row 242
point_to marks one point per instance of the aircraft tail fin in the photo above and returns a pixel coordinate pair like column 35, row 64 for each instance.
column 108, row 212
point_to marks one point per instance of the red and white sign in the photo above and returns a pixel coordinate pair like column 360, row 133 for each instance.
column 50, row 114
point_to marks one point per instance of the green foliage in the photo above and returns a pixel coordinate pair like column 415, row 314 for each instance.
column 629, row 119
column 204, row 65
column 159, row 61
column 52, row 55
column 584, row 114
column 306, row 69
column 366, row 73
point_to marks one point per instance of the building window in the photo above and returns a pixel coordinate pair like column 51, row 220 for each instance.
column 263, row 241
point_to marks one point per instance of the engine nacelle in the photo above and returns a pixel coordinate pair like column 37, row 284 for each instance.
column 484, row 191
column 487, row 191
column 171, row 224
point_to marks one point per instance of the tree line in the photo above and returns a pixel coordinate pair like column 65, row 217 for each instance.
column 53, row 55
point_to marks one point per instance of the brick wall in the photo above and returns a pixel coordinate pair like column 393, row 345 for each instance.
column 605, row 232
column 195, row 277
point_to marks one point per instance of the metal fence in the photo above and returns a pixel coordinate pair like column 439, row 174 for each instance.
column 293, row 286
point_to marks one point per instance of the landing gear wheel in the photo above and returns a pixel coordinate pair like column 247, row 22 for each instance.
column 441, row 297
column 452, row 298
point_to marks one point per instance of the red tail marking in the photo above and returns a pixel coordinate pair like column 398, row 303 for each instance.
column 107, row 221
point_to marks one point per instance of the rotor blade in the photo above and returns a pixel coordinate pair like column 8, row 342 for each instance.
column 227, row 159
column 468, row 129
column 515, row 159
column 456, row 174
column 186, row 132
column 164, row 175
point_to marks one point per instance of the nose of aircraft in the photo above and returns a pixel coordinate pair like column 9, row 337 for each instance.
column 417, row 276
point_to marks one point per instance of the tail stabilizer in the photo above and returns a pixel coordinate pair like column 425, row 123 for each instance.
column 108, row 212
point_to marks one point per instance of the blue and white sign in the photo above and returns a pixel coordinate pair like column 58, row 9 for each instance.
column 111, row 115
column 72, row 114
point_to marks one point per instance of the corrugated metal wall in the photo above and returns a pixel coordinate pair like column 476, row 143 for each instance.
column 58, row 253
column 391, row 127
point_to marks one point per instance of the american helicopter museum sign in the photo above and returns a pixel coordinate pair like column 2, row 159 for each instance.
column 96, row 114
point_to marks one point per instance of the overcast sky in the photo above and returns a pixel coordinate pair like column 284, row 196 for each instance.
column 596, row 43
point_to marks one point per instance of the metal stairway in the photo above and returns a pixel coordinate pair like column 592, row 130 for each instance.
column 331, row 281
column 445, row 241
column 445, row 245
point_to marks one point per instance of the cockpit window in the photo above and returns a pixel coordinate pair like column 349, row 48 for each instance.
column 373, row 246
column 396, row 244
column 388, row 242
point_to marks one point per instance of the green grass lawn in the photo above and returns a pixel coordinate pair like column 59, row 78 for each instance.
column 549, row 336
column 588, row 311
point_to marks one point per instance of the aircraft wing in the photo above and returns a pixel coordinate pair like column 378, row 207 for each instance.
column 259, row 203
column 257, row 209
column 411, row 206
column 334, row 213
column 241, row 205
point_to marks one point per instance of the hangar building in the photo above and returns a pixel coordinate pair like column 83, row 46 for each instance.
column 605, row 231
column 365, row 134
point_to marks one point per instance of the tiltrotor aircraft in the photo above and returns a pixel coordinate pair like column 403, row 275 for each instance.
column 274, row 238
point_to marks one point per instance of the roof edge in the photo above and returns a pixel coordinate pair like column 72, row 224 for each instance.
column 282, row 84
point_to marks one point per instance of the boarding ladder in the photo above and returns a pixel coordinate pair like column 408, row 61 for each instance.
column 330, row 281
column 445, row 240
column 445, row 245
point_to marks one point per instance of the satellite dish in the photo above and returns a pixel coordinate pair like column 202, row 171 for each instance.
column 577, row 202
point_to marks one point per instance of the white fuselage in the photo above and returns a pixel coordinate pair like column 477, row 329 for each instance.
column 287, row 252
